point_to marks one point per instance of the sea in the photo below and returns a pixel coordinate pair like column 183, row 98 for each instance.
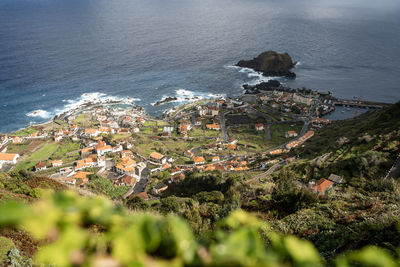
column 57, row 54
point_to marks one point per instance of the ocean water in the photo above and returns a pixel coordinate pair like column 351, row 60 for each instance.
column 57, row 53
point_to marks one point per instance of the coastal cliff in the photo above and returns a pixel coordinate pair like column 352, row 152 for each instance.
column 271, row 63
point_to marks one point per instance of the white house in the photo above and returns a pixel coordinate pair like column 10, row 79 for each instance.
column 8, row 158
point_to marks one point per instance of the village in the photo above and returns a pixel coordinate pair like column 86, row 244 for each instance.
column 144, row 154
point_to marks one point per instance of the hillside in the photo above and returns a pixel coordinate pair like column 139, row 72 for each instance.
column 360, row 211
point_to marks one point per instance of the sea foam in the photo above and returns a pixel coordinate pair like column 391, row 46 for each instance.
column 39, row 113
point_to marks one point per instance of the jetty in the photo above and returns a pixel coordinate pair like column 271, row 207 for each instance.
column 360, row 103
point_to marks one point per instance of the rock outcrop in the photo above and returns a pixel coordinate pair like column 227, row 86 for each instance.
column 165, row 100
column 271, row 63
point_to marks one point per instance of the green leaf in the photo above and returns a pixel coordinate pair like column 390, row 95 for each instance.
column 301, row 251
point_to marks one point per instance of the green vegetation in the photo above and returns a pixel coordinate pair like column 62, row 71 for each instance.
column 91, row 231
column 250, row 139
column 197, row 132
column 25, row 131
column 16, row 148
column 43, row 154
column 68, row 151
column 104, row 186
column 5, row 246
column 278, row 131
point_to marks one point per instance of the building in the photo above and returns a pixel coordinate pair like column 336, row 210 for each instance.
column 198, row 121
column 57, row 163
column 276, row 151
column 321, row 186
column 302, row 99
column 259, row 127
column 157, row 157
column 215, row 159
column 199, row 160
column 90, row 161
column 158, row 189
column 126, row 166
column 91, row 132
column 184, row 128
column 127, row 180
column 216, row 127
column 289, row 134
column 8, row 158
column 143, row 195
column 168, row 129
column 126, row 154
column 17, row 139
column 40, row 166
column 86, row 150
column 109, row 124
column 82, row 178
column 336, row 179
column 102, row 148
column 166, row 166
column 4, row 140
column 320, row 122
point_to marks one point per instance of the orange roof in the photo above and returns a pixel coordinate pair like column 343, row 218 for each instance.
column 127, row 165
column 166, row 166
column 102, row 146
column 184, row 128
column 156, row 155
column 128, row 180
column 231, row 146
column 276, row 151
column 198, row 159
column 212, row 126
column 90, row 131
column 57, row 162
column 7, row 156
column 126, row 153
column 87, row 149
column 82, row 175
column 322, row 185
column 209, row 168
column 41, row 165
column 143, row 195
column 216, row 157
column 259, row 125
column 291, row 132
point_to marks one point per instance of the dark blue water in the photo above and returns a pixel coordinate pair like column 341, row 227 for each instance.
column 53, row 51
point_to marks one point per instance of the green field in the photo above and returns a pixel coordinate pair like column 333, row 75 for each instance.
column 16, row 148
column 197, row 132
column 25, row 132
column 155, row 123
column 43, row 154
column 278, row 131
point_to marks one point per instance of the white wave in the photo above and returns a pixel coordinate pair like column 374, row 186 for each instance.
column 216, row 95
column 298, row 63
column 255, row 76
column 39, row 113
column 94, row 98
column 231, row 66
column 187, row 96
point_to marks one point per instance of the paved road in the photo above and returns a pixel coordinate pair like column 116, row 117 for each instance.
column 268, row 131
column 394, row 172
column 139, row 186
column 223, row 126
column 267, row 173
